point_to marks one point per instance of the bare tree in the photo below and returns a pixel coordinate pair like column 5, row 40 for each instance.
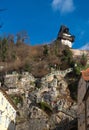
column 22, row 36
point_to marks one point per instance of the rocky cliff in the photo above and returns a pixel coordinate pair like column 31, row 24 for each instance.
column 43, row 103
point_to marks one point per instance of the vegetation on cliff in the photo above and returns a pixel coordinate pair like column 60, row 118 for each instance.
column 36, row 59
column 39, row 60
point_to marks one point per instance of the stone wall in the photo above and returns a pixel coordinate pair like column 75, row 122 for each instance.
column 78, row 53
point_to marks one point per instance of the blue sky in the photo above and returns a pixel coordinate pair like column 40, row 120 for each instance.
column 43, row 18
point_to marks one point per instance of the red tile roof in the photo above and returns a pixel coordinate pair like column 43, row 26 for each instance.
column 85, row 74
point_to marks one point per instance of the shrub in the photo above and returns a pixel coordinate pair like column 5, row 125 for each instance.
column 3, row 49
column 83, row 60
column 17, row 99
column 27, row 67
column 46, row 107
column 77, row 70
column 46, row 50
column 67, row 58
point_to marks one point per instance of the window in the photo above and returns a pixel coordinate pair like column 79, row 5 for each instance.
column 0, row 117
column 14, row 114
column 7, row 121
column 8, row 108
column 2, row 100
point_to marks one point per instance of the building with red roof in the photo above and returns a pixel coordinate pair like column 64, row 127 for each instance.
column 83, row 101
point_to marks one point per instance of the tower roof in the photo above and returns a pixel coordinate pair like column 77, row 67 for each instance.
column 65, row 34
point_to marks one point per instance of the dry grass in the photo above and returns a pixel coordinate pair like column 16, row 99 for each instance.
column 33, row 58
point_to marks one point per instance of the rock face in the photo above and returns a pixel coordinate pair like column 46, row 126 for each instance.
column 11, row 80
column 19, row 83
column 46, row 101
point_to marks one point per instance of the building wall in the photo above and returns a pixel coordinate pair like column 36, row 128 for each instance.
column 87, row 113
column 81, row 105
column 66, row 42
column 7, row 113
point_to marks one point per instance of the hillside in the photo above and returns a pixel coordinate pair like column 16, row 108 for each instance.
column 43, row 80
column 40, row 60
column 36, row 59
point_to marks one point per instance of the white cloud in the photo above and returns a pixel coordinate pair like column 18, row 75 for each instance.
column 64, row 6
column 85, row 47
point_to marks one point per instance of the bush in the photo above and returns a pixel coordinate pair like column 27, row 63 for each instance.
column 27, row 67
column 77, row 70
column 46, row 50
column 67, row 58
column 3, row 49
column 17, row 99
column 46, row 107
column 83, row 60
column 67, row 54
